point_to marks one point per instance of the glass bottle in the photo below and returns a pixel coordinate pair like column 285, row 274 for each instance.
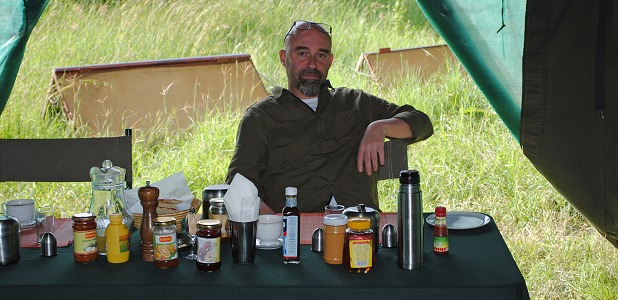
column 117, row 240
column 164, row 242
column 84, row 238
column 440, row 232
column 108, row 197
column 208, row 245
column 291, row 227
column 358, row 248
column 217, row 211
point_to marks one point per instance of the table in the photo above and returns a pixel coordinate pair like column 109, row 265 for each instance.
column 479, row 266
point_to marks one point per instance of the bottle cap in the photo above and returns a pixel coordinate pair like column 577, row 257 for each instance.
column 115, row 217
column 359, row 223
column 290, row 191
column 440, row 211
column 409, row 177
column 335, row 220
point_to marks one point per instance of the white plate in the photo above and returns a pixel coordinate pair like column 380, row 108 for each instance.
column 460, row 220
column 276, row 245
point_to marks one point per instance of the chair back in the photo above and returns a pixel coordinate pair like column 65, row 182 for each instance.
column 63, row 160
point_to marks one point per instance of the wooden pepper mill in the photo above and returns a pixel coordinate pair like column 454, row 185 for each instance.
column 148, row 196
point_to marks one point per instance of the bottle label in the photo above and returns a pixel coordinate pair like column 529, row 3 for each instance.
column 85, row 242
column 223, row 220
column 440, row 244
column 164, row 247
column 290, row 236
column 208, row 250
column 360, row 252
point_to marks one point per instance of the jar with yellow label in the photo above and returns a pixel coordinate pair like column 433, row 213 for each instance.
column 164, row 242
column 358, row 248
column 84, row 238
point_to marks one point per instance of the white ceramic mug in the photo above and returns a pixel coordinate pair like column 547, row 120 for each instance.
column 22, row 209
column 269, row 229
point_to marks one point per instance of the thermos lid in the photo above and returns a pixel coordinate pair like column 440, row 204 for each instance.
column 409, row 177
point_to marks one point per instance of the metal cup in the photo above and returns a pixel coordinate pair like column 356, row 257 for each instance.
column 243, row 241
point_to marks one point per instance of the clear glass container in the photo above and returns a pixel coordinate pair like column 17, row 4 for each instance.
column 164, row 242
column 108, row 197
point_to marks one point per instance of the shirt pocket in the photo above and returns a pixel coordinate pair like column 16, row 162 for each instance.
column 289, row 139
column 347, row 125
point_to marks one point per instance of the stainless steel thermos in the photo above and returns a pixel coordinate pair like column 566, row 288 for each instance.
column 410, row 221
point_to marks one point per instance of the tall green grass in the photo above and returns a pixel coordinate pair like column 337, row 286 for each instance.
column 471, row 163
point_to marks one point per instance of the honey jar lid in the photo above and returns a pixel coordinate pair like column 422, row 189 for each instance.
column 359, row 223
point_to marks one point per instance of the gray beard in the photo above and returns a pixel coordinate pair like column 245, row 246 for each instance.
column 310, row 87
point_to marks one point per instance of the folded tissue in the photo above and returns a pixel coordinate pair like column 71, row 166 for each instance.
column 172, row 187
column 241, row 200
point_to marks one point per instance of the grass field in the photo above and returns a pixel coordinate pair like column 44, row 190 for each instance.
column 471, row 163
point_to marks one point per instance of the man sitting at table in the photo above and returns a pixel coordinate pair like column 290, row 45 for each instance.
column 325, row 141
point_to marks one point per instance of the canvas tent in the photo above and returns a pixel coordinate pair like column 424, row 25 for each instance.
column 17, row 19
column 549, row 68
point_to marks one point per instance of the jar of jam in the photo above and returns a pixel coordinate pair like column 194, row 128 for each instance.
column 84, row 238
column 208, row 245
column 358, row 248
column 217, row 211
column 164, row 242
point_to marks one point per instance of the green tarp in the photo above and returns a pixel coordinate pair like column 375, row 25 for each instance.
column 17, row 19
column 549, row 68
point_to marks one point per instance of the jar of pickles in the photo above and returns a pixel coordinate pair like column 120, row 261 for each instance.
column 84, row 238
column 208, row 245
column 164, row 242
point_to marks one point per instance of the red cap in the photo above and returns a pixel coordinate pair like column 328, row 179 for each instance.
column 440, row 211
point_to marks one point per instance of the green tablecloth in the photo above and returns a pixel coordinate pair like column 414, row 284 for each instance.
column 479, row 266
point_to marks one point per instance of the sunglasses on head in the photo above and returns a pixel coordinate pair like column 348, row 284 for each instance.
column 306, row 25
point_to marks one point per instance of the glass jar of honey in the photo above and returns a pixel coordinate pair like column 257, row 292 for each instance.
column 164, row 242
column 84, row 238
column 358, row 248
column 208, row 245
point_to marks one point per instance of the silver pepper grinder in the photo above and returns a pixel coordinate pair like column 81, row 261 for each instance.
column 410, row 221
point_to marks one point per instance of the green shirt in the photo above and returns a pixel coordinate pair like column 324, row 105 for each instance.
column 282, row 142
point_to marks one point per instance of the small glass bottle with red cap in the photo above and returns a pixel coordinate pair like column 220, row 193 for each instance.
column 440, row 232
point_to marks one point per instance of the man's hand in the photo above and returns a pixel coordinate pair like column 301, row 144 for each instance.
column 371, row 149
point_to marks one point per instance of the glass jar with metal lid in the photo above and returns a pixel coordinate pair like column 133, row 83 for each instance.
column 208, row 245
column 217, row 211
column 164, row 242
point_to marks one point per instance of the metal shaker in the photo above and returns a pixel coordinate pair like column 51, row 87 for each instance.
column 410, row 221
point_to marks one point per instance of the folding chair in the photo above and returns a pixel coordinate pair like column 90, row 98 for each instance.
column 63, row 160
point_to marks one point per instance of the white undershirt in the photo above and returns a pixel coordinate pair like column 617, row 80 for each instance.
column 312, row 102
